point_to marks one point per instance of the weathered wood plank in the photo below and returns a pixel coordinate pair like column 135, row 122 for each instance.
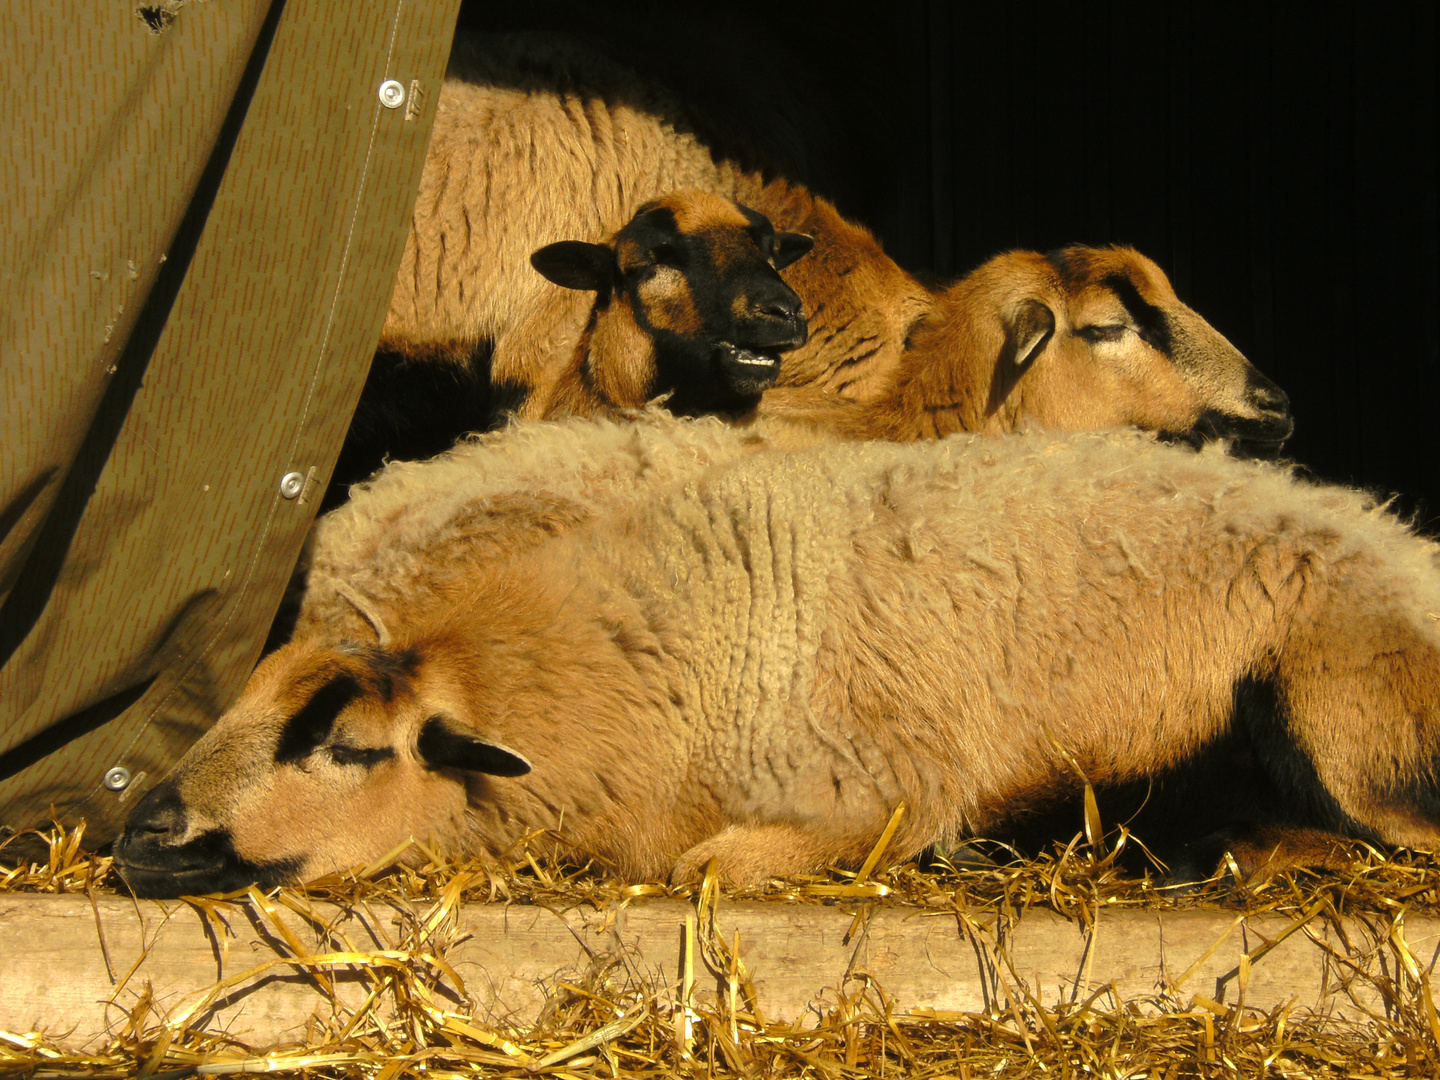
column 53, row 975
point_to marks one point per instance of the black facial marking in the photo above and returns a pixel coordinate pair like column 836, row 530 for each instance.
column 656, row 230
column 1100, row 332
column 154, row 864
column 1247, row 438
column 388, row 669
column 365, row 756
column 310, row 725
column 1069, row 263
column 744, row 314
column 1154, row 326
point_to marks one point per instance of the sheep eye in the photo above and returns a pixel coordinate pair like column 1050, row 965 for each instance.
column 1104, row 332
column 365, row 756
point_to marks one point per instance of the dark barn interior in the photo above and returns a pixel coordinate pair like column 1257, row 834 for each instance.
column 1280, row 163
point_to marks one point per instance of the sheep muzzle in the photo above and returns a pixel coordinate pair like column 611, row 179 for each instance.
column 155, row 861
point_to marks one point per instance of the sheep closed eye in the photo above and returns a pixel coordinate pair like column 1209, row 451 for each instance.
column 1096, row 334
column 368, row 757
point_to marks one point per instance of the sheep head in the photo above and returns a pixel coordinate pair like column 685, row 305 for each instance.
column 688, row 302
column 333, row 756
column 1096, row 337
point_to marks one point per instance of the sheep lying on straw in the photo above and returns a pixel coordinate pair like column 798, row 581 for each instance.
column 762, row 654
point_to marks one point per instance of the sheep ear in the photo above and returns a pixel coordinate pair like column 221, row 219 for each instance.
column 1028, row 326
column 789, row 246
column 444, row 744
column 575, row 264
column 367, row 611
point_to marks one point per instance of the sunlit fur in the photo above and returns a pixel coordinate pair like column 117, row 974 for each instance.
column 759, row 662
column 415, row 528
column 537, row 141
column 1049, row 341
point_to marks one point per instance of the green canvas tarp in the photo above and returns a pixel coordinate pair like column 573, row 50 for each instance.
column 205, row 206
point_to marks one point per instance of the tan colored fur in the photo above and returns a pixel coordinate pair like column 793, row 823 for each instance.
column 957, row 374
column 415, row 525
column 757, row 663
column 514, row 164
column 537, row 141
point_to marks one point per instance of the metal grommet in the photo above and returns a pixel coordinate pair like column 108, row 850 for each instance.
column 392, row 94
column 118, row 778
column 291, row 484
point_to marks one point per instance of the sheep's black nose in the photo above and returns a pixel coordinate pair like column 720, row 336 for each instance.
column 157, row 819
column 1270, row 398
column 780, row 307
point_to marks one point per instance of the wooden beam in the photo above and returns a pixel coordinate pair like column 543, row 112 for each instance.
column 54, row 977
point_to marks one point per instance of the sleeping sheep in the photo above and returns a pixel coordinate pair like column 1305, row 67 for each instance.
column 1074, row 340
column 540, row 140
column 759, row 663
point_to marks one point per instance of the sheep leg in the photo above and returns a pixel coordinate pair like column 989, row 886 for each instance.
column 750, row 854
column 1262, row 852
column 1359, row 690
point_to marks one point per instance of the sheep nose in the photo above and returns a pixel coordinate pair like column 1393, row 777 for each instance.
column 1270, row 398
column 157, row 819
column 777, row 320
column 782, row 308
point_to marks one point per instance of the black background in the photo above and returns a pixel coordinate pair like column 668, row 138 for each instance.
column 1279, row 162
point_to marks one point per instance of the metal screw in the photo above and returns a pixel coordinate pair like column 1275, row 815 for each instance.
column 291, row 484
column 118, row 778
column 392, row 94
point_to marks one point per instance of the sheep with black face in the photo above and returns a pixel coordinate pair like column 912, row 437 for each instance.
column 543, row 138
column 688, row 303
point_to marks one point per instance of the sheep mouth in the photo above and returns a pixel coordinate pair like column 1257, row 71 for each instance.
column 748, row 370
column 207, row 864
column 1262, row 449
column 1261, row 438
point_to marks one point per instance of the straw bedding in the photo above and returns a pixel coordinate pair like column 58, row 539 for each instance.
column 619, row 1024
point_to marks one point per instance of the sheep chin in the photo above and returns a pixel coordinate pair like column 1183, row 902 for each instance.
column 1262, row 437
column 208, row 864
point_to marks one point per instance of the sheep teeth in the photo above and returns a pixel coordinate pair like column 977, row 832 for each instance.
column 745, row 356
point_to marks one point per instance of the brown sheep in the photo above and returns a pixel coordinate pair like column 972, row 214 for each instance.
column 1080, row 339
column 539, row 140
column 758, row 665
column 685, row 301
